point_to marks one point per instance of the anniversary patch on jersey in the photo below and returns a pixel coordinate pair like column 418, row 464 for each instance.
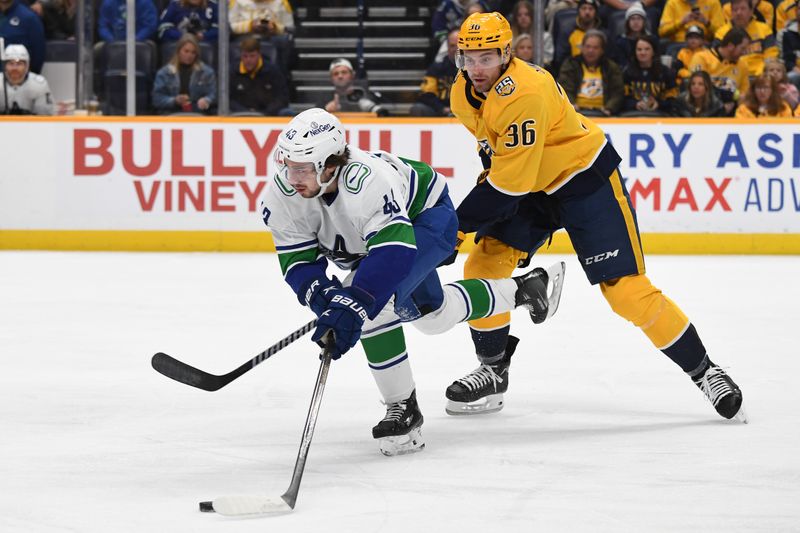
column 505, row 87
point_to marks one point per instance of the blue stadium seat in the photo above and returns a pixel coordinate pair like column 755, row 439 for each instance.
column 115, row 88
column 57, row 51
column 115, row 57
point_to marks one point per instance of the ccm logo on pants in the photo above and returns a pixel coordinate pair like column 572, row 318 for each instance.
column 601, row 257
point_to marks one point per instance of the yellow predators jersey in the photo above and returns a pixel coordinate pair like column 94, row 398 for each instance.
column 726, row 76
column 524, row 114
column 764, row 7
column 762, row 45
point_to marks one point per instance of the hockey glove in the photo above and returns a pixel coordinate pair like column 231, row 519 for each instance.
column 345, row 316
column 460, row 237
column 317, row 295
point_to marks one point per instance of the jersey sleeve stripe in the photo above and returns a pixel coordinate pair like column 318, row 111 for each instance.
column 400, row 233
column 291, row 259
column 299, row 246
column 395, row 243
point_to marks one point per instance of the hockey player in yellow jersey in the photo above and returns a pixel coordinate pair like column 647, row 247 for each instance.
column 547, row 167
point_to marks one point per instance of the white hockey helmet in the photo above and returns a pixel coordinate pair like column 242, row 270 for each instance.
column 311, row 137
column 16, row 52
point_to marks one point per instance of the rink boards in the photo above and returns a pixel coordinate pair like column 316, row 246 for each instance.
column 149, row 183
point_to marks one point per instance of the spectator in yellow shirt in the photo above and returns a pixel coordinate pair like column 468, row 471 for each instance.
column 762, row 40
column 678, row 15
column 763, row 100
column 763, row 11
column 694, row 45
column 593, row 83
column 726, row 66
column 587, row 20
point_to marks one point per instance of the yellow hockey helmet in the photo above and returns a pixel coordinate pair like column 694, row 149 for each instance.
column 481, row 31
column 485, row 31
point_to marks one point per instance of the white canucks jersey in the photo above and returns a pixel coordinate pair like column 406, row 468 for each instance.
column 32, row 95
column 378, row 196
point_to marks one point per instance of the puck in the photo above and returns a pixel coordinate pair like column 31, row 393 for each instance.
column 206, row 507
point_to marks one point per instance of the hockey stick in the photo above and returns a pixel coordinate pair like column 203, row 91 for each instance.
column 180, row 371
column 262, row 504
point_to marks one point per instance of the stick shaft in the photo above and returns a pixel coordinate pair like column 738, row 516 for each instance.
column 290, row 496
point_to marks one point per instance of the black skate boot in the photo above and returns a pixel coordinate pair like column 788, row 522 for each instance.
column 399, row 432
column 532, row 291
column 481, row 391
column 722, row 392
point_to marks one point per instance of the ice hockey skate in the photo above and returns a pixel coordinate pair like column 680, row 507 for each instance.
column 539, row 291
column 722, row 392
column 481, row 391
column 399, row 432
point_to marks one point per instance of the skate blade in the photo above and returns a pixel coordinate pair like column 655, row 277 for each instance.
column 555, row 276
column 411, row 442
column 741, row 416
column 488, row 404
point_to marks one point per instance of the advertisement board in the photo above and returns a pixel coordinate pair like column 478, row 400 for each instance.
column 169, row 183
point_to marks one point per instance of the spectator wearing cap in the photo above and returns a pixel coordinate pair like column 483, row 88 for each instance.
column 346, row 95
column 24, row 92
column 678, row 15
column 20, row 25
column 694, row 44
column 726, row 66
column 593, row 83
column 635, row 27
column 587, row 19
column 762, row 41
column 256, row 85
column 434, row 96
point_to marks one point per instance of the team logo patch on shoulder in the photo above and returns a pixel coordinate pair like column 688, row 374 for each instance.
column 506, row 86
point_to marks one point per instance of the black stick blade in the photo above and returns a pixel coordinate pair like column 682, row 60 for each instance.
column 206, row 507
column 180, row 371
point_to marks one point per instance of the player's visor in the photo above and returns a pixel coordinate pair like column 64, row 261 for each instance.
column 483, row 59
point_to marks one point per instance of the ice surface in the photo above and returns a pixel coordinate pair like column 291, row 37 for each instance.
column 600, row 432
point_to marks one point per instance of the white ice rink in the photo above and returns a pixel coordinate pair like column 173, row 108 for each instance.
column 600, row 433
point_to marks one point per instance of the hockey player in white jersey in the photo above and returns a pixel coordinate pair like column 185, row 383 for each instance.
column 391, row 222
column 23, row 92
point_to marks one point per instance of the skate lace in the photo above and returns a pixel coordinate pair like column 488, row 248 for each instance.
column 714, row 385
column 395, row 411
column 483, row 375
